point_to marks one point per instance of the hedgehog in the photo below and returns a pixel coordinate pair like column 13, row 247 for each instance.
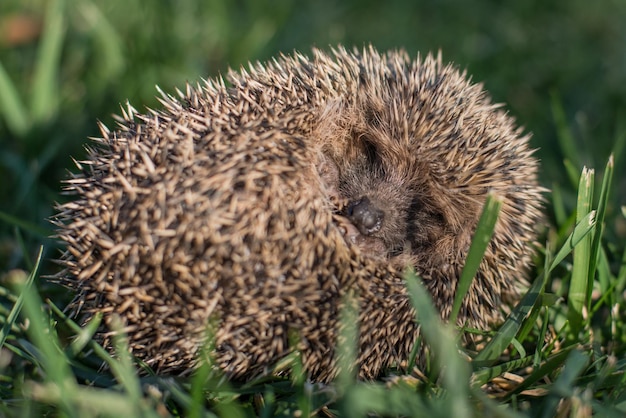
column 257, row 204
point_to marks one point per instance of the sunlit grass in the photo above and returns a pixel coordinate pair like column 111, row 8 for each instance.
column 561, row 350
column 546, row 374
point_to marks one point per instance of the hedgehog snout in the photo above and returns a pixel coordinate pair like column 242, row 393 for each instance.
column 365, row 215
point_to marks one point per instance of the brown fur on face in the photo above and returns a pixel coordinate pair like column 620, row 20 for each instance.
column 425, row 226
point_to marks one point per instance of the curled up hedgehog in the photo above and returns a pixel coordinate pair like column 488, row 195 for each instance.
column 261, row 203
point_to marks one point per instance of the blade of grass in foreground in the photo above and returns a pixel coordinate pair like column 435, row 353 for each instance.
column 376, row 399
column 91, row 402
column 482, row 376
column 558, row 205
column 578, row 288
column 125, row 372
column 584, row 227
column 482, row 236
column 201, row 375
column 440, row 337
column 83, row 333
column 54, row 362
column 16, row 276
column 208, row 379
column 601, row 211
column 348, row 342
column 564, row 385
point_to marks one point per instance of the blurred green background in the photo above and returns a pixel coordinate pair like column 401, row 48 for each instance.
column 64, row 64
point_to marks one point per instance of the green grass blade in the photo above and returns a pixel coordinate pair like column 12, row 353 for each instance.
column 45, row 98
column 551, row 365
column 414, row 353
column 201, row 375
column 15, row 277
column 125, row 371
column 440, row 337
column 375, row 399
column 541, row 337
column 574, row 365
column 491, row 408
column 581, row 231
column 564, row 385
column 578, row 295
column 558, row 205
column 492, row 350
column 74, row 327
column 482, row 376
column 207, row 379
column 85, row 335
column 19, row 238
column 54, row 362
column 601, row 212
column 298, row 373
column 347, row 343
column 91, row 402
column 529, row 324
column 181, row 395
column 480, row 241
column 11, row 106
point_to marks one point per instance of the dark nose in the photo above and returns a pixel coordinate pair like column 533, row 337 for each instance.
column 365, row 215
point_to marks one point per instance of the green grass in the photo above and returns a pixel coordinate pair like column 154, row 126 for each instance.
column 559, row 67
column 575, row 370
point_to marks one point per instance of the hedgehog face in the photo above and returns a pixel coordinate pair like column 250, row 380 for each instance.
column 385, row 186
column 383, row 208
